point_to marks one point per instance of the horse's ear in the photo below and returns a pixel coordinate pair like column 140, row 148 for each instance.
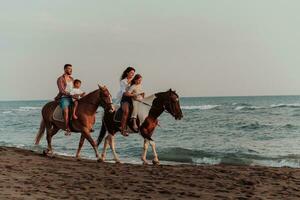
column 100, row 87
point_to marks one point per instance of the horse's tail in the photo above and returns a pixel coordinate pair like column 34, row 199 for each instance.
column 102, row 133
column 41, row 132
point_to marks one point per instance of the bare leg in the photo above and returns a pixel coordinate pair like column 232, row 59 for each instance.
column 145, row 149
column 125, row 108
column 75, row 109
column 112, row 146
column 50, row 133
column 81, row 141
column 155, row 159
column 105, row 146
column 66, row 118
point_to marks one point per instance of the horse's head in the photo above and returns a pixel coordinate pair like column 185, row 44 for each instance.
column 172, row 104
column 106, row 99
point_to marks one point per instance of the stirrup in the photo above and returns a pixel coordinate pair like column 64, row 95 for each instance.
column 124, row 133
column 67, row 132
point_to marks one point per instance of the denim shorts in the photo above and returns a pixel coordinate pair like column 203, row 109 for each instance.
column 65, row 102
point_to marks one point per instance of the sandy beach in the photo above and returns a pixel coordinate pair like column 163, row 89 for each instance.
column 29, row 175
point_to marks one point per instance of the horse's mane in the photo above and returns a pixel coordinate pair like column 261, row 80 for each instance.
column 88, row 96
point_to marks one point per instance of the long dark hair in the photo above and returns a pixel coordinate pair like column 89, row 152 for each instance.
column 136, row 77
column 125, row 73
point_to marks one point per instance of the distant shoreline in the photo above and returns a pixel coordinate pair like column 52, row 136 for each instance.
column 39, row 100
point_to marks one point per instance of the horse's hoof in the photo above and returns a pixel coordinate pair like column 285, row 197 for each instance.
column 78, row 158
column 100, row 160
column 48, row 153
column 145, row 163
column 155, row 162
column 45, row 152
column 117, row 161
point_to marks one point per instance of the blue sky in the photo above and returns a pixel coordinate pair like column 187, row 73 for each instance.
column 199, row 48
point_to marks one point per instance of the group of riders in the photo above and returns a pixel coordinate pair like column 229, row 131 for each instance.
column 128, row 96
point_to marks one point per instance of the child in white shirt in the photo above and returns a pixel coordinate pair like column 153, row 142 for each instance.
column 76, row 93
column 138, row 95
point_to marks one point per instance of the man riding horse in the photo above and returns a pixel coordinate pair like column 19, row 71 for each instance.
column 65, row 85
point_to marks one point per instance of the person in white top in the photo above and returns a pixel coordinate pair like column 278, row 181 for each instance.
column 76, row 94
column 124, row 97
column 138, row 95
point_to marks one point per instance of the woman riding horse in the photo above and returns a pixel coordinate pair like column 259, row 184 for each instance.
column 125, row 97
column 149, row 110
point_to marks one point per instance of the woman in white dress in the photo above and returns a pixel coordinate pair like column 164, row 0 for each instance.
column 124, row 96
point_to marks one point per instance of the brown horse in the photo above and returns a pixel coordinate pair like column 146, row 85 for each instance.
column 150, row 109
column 87, row 107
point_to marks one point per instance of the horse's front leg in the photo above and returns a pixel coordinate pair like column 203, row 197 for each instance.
column 50, row 133
column 81, row 141
column 113, row 148
column 86, row 133
column 155, row 160
column 105, row 146
column 145, row 149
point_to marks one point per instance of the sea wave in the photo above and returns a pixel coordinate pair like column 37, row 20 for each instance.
column 7, row 112
column 253, row 126
column 241, row 104
column 189, row 156
column 200, row 107
column 27, row 108
column 248, row 108
column 289, row 126
column 294, row 105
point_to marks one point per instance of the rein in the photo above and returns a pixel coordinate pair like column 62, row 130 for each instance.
column 165, row 110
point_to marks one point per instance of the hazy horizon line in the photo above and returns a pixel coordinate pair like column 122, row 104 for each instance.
column 14, row 100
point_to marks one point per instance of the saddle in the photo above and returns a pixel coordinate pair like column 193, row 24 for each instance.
column 58, row 116
column 118, row 118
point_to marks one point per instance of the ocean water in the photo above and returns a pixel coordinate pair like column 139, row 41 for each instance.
column 232, row 130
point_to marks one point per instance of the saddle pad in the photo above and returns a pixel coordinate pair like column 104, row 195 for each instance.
column 118, row 118
column 118, row 115
column 58, row 114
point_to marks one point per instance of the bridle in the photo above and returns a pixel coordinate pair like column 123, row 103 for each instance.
column 106, row 105
column 164, row 106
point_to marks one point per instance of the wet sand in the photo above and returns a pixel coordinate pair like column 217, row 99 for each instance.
column 29, row 175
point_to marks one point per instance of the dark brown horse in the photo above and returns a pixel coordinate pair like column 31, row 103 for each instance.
column 150, row 109
column 87, row 107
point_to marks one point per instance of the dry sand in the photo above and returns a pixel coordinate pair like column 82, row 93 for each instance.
column 29, row 175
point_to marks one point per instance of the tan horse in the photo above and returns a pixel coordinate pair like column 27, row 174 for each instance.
column 86, row 112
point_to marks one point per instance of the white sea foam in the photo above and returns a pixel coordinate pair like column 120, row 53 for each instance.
column 279, row 163
column 209, row 161
column 6, row 112
column 248, row 107
column 30, row 108
column 294, row 105
column 201, row 107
